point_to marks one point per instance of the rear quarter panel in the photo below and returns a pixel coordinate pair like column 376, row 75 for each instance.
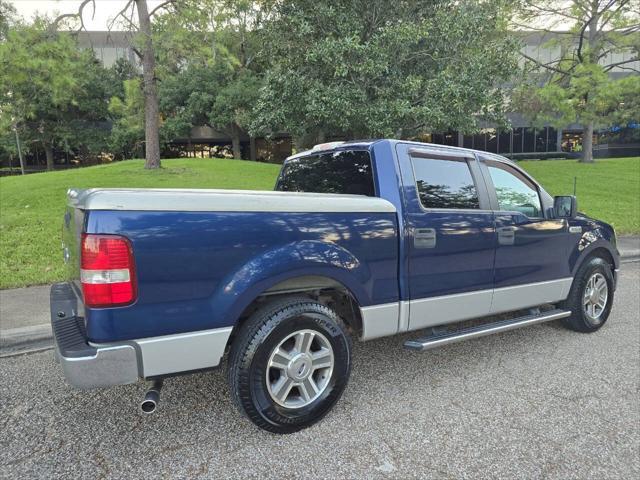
column 199, row 270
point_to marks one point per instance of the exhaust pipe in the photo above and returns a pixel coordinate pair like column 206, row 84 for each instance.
column 152, row 397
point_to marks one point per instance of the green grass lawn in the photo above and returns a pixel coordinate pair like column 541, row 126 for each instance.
column 31, row 207
column 608, row 189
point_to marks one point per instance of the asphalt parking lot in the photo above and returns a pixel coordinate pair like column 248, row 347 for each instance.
column 540, row 402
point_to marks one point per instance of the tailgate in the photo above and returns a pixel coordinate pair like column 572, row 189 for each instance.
column 72, row 228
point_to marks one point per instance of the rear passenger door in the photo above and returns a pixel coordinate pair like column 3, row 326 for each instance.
column 531, row 265
column 450, row 236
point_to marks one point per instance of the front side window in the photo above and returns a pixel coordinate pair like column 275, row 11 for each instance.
column 445, row 183
column 343, row 171
column 515, row 192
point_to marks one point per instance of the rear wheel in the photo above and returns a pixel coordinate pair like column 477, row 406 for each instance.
column 289, row 364
column 591, row 296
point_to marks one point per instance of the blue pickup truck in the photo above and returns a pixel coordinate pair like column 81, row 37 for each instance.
column 359, row 240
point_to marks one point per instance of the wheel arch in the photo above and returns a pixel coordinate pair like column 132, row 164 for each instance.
column 593, row 243
column 600, row 251
column 597, row 251
column 323, row 288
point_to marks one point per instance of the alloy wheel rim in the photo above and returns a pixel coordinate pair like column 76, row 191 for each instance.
column 299, row 369
column 594, row 299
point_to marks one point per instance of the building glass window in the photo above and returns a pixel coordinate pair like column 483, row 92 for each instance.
column 444, row 183
column 541, row 139
column 529, row 140
column 517, row 140
column 437, row 138
column 492, row 141
column 450, row 138
column 504, row 142
column 552, row 145
column 480, row 141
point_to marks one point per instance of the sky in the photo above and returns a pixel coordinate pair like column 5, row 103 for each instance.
column 105, row 10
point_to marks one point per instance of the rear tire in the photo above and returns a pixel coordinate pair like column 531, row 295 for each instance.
column 591, row 296
column 289, row 364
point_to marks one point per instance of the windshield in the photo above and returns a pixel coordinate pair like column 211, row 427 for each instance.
column 345, row 171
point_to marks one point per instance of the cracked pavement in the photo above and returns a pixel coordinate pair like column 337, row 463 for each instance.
column 540, row 402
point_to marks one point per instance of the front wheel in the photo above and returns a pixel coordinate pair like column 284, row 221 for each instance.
column 289, row 364
column 591, row 296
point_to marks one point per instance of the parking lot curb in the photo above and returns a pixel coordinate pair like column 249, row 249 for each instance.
column 23, row 338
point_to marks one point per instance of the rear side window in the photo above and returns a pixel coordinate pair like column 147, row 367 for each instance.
column 515, row 192
column 445, row 183
column 334, row 172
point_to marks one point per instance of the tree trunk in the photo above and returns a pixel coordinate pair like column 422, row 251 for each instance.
column 298, row 143
column 587, row 144
column 587, row 134
column 48, row 151
column 235, row 142
column 253, row 154
column 150, row 88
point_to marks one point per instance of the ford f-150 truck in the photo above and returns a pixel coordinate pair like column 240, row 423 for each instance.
column 359, row 240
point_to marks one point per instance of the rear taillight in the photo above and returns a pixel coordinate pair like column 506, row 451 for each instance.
column 107, row 271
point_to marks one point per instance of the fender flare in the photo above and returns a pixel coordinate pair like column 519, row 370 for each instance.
column 307, row 258
column 587, row 245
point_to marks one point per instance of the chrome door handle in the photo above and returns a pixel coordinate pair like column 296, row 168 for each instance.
column 506, row 235
column 424, row 237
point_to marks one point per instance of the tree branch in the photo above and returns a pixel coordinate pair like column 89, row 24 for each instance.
column 122, row 13
column 547, row 66
column 137, row 52
column 528, row 28
column 621, row 4
column 630, row 69
column 551, row 11
column 162, row 5
column 78, row 15
column 613, row 65
column 626, row 30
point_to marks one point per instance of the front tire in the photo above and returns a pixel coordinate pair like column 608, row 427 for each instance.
column 289, row 364
column 591, row 296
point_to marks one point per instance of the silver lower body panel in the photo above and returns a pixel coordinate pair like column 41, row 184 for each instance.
column 392, row 318
column 89, row 365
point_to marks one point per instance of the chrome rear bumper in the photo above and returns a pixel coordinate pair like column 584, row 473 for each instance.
column 86, row 366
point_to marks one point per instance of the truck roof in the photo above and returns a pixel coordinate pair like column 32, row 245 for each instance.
column 365, row 144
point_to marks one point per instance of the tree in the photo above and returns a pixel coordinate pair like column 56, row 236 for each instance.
column 577, row 85
column 209, row 64
column 127, row 133
column 233, row 105
column 9, row 140
column 145, row 51
column 51, row 91
column 8, row 18
column 366, row 68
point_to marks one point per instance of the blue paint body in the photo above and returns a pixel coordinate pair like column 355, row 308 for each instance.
column 200, row 270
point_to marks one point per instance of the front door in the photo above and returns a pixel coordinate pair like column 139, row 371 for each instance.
column 531, row 265
column 450, row 234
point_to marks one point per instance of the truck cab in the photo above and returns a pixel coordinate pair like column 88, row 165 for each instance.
column 358, row 240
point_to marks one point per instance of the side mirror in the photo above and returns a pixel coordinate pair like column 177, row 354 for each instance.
column 565, row 206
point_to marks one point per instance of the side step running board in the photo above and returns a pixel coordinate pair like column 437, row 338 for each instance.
column 433, row 341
